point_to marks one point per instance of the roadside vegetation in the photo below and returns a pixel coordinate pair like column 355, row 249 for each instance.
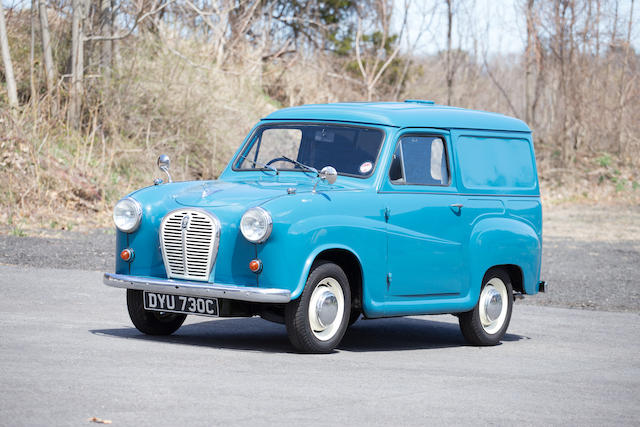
column 91, row 91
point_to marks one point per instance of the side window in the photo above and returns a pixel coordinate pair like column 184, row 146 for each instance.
column 496, row 162
column 419, row 160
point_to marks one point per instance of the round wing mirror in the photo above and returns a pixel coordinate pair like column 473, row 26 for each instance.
column 329, row 174
column 163, row 165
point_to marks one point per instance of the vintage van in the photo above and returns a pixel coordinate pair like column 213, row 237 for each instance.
column 331, row 212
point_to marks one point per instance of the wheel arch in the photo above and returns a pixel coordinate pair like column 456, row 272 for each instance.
column 351, row 266
column 515, row 275
column 344, row 257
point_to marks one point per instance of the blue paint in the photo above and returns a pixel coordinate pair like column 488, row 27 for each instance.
column 436, row 253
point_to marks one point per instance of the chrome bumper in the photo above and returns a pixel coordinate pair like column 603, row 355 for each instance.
column 197, row 289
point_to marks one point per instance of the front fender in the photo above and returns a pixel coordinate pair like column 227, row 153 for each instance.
column 306, row 225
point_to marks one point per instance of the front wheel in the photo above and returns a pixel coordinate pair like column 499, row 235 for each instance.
column 487, row 323
column 151, row 322
column 317, row 321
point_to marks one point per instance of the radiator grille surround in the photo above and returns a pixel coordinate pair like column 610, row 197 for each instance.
column 189, row 242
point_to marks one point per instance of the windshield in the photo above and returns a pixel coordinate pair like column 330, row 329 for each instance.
column 350, row 150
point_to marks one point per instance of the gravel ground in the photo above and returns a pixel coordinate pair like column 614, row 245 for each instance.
column 591, row 257
column 67, row 250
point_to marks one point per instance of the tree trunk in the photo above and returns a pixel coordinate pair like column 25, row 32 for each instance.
column 621, row 91
column 6, row 59
column 529, row 61
column 46, row 46
column 106, row 31
column 449, row 65
column 77, row 63
column 32, row 54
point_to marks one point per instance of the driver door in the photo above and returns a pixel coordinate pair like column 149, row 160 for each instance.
column 425, row 231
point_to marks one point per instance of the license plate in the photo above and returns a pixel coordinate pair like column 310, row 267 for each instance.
column 180, row 304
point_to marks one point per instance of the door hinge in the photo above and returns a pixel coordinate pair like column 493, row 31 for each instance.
column 387, row 214
column 389, row 277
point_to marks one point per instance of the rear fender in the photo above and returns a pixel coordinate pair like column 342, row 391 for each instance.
column 499, row 241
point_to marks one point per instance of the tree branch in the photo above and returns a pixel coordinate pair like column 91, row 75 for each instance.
column 139, row 18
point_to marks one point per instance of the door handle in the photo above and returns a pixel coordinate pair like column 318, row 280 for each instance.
column 456, row 208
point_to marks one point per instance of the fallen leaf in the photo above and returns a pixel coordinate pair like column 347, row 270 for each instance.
column 99, row 420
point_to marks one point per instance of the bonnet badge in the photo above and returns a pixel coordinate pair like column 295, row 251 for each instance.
column 185, row 221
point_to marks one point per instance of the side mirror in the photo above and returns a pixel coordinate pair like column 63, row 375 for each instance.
column 329, row 174
column 163, row 165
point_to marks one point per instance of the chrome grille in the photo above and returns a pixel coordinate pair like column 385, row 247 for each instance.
column 189, row 240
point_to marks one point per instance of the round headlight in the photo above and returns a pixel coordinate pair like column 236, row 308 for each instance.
column 256, row 225
column 127, row 214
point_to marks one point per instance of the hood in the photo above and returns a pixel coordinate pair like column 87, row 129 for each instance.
column 225, row 193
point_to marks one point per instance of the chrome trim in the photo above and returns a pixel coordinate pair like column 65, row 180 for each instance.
column 163, row 165
column 197, row 289
column 269, row 225
column 138, row 208
column 214, row 247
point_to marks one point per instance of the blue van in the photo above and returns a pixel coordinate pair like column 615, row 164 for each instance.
column 331, row 212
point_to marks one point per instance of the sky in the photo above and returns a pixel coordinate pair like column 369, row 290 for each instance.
column 500, row 20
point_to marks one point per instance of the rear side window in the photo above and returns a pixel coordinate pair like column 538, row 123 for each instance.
column 419, row 160
column 496, row 162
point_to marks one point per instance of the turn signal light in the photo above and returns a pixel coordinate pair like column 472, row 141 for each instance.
column 127, row 255
column 255, row 266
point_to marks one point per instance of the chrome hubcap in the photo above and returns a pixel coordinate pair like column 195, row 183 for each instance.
column 326, row 309
column 493, row 305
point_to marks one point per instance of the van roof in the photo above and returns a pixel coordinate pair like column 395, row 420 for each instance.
column 411, row 113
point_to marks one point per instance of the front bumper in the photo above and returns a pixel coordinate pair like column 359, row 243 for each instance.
column 197, row 289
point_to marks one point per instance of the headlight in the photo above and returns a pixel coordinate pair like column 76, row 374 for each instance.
column 256, row 225
column 127, row 214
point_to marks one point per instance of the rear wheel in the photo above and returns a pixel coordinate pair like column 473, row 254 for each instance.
column 317, row 321
column 151, row 322
column 487, row 323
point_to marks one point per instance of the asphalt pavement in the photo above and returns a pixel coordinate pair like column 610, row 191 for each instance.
column 68, row 353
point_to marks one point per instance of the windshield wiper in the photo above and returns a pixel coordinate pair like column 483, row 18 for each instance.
column 302, row 165
column 260, row 164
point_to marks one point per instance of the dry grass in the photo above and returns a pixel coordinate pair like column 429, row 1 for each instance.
column 55, row 177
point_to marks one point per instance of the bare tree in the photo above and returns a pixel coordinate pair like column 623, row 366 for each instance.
column 622, row 92
column 106, row 30
column 373, row 65
column 6, row 59
column 32, row 50
column 45, row 36
column 77, row 62
column 427, row 14
column 450, row 69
